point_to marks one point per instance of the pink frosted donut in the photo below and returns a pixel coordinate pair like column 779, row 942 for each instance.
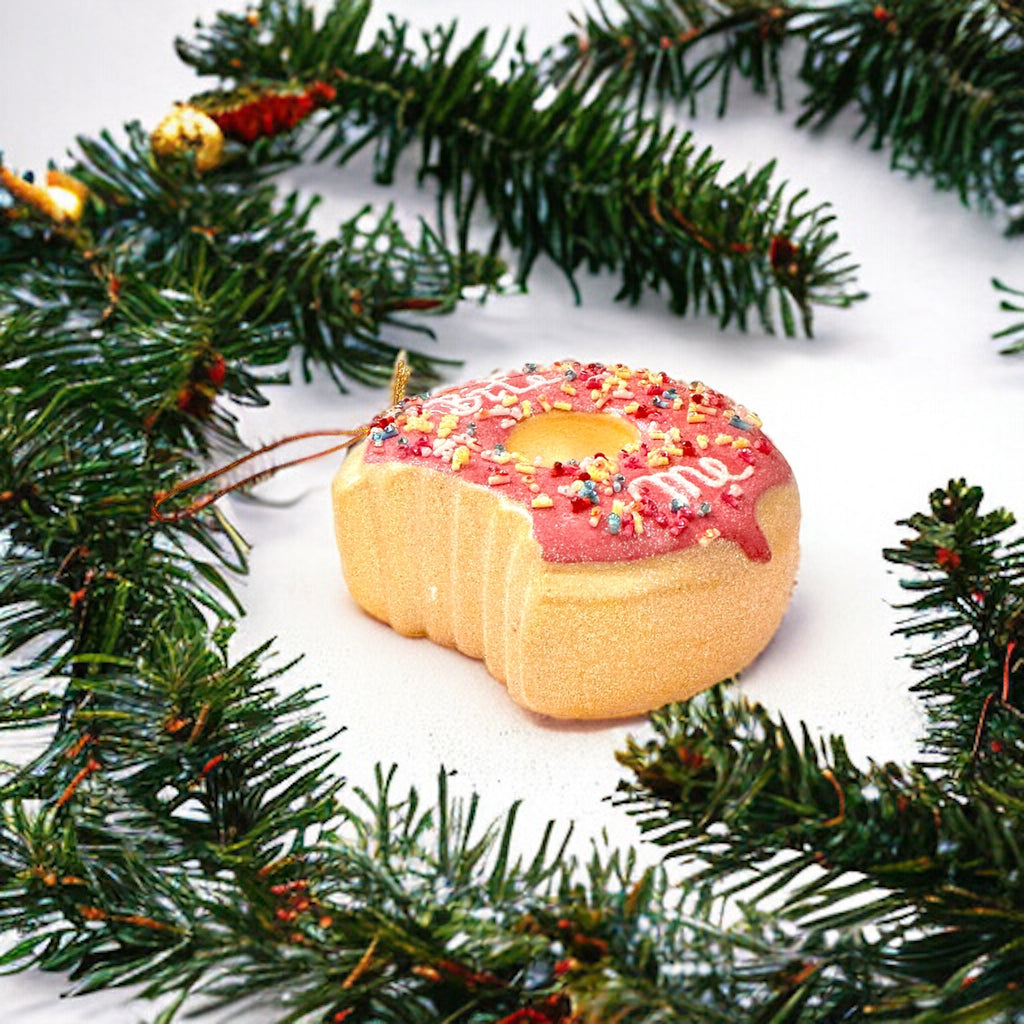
column 606, row 539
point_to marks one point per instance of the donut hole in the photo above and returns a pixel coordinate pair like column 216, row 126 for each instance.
column 558, row 436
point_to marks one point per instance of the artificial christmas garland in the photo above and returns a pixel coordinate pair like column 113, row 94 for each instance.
column 183, row 828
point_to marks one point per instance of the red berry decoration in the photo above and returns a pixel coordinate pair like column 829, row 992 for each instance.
column 216, row 371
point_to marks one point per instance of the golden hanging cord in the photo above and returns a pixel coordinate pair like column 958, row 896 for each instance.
column 399, row 381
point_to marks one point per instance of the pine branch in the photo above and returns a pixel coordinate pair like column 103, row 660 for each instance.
column 967, row 588
column 937, row 82
column 672, row 50
column 1011, row 304
column 569, row 176
column 120, row 335
column 233, row 234
column 930, row 854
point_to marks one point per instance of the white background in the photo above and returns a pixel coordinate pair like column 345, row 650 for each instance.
column 887, row 402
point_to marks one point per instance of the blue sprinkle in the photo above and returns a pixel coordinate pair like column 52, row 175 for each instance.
column 390, row 430
column 735, row 421
column 403, row 440
column 659, row 402
column 678, row 503
column 471, row 429
column 499, row 449
column 618, row 481
column 530, row 368
column 571, row 374
column 614, row 522
column 704, row 508
column 377, row 437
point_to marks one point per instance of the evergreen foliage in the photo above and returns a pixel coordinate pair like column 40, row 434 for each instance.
column 183, row 827
column 561, row 173
column 1013, row 302
column 937, row 82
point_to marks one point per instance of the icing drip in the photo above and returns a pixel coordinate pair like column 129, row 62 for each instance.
column 693, row 475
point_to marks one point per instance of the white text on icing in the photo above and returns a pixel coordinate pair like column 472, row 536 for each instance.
column 683, row 482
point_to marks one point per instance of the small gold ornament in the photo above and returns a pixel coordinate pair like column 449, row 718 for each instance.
column 62, row 198
column 188, row 128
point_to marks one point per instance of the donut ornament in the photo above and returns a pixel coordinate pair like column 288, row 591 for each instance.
column 605, row 539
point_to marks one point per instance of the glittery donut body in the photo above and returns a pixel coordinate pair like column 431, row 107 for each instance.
column 606, row 539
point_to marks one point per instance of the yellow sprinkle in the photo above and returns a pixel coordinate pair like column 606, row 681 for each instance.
column 677, row 403
column 755, row 420
column 595, row 516
column 617, row 507
column 741, row 442
column 638, row 524
column 657, row 458
column 542, row 501
column 568, row 388
column 702, row 440
column 502, row 458
column 527, row 408
column 695, row 417
column 508, row 400
column 460, row 457
column 623, row 372
column 658, row 435
column 564, row 406
column 497, row 479
column 632, row 407
column 544, row 403
column 525, row 467
column 421, row 423
column 723, row 439
column 710, row 534
column 674, row 434
column 448, row 423
column 674, row 451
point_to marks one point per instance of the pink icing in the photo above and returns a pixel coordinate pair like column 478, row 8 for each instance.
column 700, row 466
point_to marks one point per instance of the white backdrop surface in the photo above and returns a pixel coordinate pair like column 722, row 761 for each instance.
column 890, row 400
